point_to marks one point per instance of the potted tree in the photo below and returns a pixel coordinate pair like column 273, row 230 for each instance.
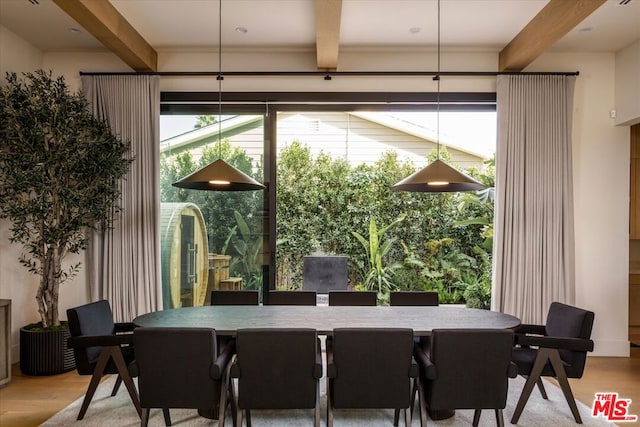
column 59, row 176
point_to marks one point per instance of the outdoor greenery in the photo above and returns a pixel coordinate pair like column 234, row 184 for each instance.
column 394, row 240
column 59, row 176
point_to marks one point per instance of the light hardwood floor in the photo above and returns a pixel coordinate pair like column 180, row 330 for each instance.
column 28, row 401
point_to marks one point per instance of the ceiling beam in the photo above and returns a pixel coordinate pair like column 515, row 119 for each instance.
column 105, row 23
column 555, row 20
column 328, row 15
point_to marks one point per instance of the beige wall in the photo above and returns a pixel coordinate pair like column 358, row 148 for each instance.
column 16, row 55
column 601, row 153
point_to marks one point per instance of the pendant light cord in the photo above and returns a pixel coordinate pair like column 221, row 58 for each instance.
column 437, row 78
column 219, row 78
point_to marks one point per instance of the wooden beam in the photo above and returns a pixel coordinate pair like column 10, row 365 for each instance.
column 105, row 23
column 555, row 20
column 328, row 14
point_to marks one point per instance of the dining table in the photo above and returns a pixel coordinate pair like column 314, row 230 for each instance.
column 226, row 320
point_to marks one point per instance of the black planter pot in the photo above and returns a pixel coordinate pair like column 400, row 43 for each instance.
column 45, row 352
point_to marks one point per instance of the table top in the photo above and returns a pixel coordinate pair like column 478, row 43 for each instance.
column 226, row 320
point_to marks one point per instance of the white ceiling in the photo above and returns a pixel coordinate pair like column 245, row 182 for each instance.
column 474, row 25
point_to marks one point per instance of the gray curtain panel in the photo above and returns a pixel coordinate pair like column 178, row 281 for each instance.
column 124, row 262
column 534, row 226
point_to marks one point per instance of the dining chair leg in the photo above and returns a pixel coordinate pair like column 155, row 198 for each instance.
column 226, row 388
column 543, row 392
column 116, row 386
column 476, row 417
column 316, row 411
column 248, row 416
column 329, row 406
column 423, row 406
column 407, row 417
column 167, row 416
column 532, row 379
column 414, row 390
column 499, row 418
column 234, row 402
column 561, row 376
column 396, row 417
column 118, row 359
column 95, row 380
column 144, row 418
column 239, row 418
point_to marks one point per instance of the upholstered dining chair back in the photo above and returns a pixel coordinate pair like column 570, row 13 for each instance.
column 100, row 347
column 370, row 368
column 292, row 298
column 570, row 322
column 467, row 369
column 353, row 298
column 413, row 298
column 277, row 369
column 93, row 319
column 234, row 298
column 180, row 368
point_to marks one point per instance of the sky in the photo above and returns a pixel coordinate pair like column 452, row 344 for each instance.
column 473, row 130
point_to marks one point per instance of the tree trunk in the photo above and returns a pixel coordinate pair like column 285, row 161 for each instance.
column 47, row 295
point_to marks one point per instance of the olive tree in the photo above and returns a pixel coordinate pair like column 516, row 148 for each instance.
column 60, row 169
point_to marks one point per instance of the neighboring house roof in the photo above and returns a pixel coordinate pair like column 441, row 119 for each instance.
column 415, row 129
column 359, row 136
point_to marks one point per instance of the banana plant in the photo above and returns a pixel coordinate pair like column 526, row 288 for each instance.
column 378, row 276
column 249, row 249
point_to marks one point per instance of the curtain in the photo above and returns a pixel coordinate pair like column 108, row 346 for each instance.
column 533, row 263
column 124, row 262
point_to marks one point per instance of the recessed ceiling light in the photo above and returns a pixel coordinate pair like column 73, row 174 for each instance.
column 242, row 30
column 74, row 30
column 585, row 29
column 415, row 30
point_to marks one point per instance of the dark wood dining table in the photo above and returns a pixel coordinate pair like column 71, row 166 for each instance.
column 226, row 320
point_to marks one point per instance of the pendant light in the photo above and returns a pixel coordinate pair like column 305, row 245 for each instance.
column 438, row 176
column 219, row 175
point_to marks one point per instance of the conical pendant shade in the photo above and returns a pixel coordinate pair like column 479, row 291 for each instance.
column 219, row 176
column 438, row 177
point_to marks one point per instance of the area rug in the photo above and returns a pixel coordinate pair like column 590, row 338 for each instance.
column 118, row 411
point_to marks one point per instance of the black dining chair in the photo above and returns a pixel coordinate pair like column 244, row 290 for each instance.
column 234, row 298
column 413, row 298
column 465, row 369
column 557, row 349
column 370, row 368
column 181, row 368
column 353, row 298
column 291, row 298
column 277, row 369
column 101, row 347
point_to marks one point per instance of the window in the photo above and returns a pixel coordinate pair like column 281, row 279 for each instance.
column 331, row 173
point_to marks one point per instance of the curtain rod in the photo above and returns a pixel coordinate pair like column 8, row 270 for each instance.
column 327, row 74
